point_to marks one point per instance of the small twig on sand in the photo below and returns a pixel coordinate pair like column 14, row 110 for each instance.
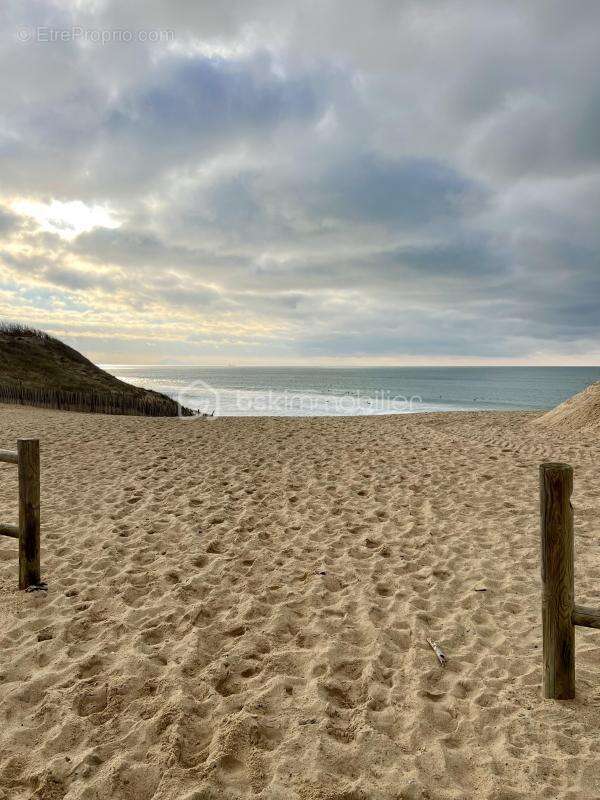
column 438, row 651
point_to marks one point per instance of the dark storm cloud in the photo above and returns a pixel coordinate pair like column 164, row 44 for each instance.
column 183, row 111
column 362, row 179
column 209, row 97
column 410, row 192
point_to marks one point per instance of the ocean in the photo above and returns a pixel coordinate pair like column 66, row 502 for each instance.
column 312, row 391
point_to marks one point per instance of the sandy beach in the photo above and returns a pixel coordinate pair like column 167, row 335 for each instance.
column 239, row 608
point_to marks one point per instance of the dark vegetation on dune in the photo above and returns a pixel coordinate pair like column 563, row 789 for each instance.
column 38, row 370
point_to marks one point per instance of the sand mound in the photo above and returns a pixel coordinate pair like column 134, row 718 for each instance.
column 580, row 412
column 38, row 370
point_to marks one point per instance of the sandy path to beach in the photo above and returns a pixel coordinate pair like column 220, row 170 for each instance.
column 239, row 609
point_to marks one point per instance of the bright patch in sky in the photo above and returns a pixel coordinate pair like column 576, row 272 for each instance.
column 66, row 220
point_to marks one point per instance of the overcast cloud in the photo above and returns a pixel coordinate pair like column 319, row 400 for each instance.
column 290, row 182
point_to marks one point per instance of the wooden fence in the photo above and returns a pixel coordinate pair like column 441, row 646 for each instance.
column 560, row 613
column 150, row 404
column 27, row 459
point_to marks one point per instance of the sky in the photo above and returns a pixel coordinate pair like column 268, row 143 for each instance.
column 284, row 182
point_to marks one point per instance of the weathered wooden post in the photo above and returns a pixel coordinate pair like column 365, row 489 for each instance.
column 29, row 512
column 558, row 589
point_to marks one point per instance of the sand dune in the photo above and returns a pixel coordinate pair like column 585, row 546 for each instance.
column 239, row 609
column 578, row 413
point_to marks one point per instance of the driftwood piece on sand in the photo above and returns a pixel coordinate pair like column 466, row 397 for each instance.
column 441, row 657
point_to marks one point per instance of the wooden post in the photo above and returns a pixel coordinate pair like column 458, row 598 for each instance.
column 558, row 592
column 29, row 512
